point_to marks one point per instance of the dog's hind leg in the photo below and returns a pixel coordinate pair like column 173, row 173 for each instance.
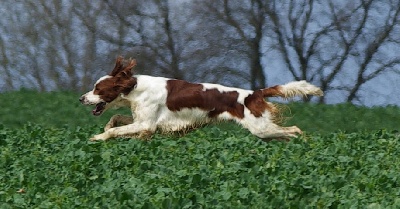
column 284, row 133
column 274, row 131
column 118, row 120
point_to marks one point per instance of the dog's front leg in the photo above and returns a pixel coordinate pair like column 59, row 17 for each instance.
column 100, row 137
column 133, row 130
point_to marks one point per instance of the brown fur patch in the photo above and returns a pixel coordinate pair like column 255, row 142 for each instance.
column 182, row 94
column 118, row 66
column 273, row 91
column 120, row 82
column 257, row 105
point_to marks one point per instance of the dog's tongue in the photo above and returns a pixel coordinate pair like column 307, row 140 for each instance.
column 99, row 108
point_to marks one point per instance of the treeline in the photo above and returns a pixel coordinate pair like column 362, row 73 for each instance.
column 67, row 44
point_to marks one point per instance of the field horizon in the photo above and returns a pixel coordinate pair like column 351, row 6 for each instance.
column 62, row 109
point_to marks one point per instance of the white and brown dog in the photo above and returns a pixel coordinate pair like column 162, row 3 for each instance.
column 175, row 105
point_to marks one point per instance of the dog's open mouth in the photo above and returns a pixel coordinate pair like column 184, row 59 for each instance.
column 100, row 107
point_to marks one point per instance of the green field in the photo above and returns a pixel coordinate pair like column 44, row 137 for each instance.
column 348, row 158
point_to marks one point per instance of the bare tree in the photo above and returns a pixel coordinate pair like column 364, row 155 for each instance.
column 320, row 42
column 148, row 31
column 28, row 43
column 376, row 55
column 243, row 31
column 5, row 67
column 88, row 14
column 46, row 45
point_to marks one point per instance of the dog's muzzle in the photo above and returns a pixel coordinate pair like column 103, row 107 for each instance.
column 82, row 99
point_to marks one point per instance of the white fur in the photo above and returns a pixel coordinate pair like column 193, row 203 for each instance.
column 300, row 88
column 90, row 98
column 102, row 78
column 149, row 111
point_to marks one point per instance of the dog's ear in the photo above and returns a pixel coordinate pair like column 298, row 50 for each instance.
column 118, row 66
column 125, row 81
column 125, row 86
column 127, row 70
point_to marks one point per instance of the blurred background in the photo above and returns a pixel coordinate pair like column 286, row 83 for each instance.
column 348, row 48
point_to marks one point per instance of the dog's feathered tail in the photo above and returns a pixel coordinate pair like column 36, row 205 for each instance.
column 292, row 89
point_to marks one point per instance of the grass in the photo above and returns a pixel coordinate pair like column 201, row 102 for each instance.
column 348, row 160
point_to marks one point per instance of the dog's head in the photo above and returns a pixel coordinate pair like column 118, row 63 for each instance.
column 108, row 89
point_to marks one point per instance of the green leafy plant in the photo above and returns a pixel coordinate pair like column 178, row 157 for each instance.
column 51, row 164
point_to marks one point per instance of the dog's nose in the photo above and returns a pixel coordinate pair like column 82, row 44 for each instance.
column 81, row 99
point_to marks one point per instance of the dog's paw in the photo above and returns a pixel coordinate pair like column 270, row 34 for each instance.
column 294, row 130
column 92, row 139
column 99, row 137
